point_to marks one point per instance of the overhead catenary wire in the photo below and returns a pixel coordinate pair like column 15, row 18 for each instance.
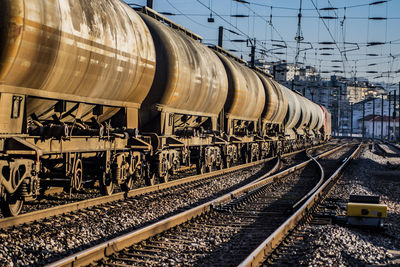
column 344, row 57
column 280, row 16
column 253, row 15
column 228, row 22
column 188, row 17
column 292, row 8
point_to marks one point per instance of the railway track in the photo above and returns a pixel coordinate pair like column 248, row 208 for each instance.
column 273, row 247
column 332, row 242
column 45, row 240
column 208, row 212
column 381, row 149
column 386, row 149
column 38, row 242
column 183, row 183
column 58, row 206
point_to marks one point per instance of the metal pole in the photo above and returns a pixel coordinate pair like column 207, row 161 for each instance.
column 150, row 3
column 351, row 119
column 390, row 116
column 253, row 55
column 220, row 36
column 394, row 115
column 363, row 120
column 338, row 111
column 373, row 118
column 398, row 102
column 299, row 36
column 399, row 120
column 382, row 118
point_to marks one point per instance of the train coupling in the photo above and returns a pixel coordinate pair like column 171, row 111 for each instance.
column 366, row 211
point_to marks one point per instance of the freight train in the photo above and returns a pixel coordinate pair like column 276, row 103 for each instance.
column 96, row 91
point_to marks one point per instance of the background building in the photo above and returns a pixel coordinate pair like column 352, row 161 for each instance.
column 343, row 97
column 373, row 126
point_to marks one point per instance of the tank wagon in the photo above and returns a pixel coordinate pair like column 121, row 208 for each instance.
column 96, row 91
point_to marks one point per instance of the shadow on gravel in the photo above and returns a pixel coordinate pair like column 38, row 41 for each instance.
column 395, row 151
column 392, row 155
column 351, row 260
column 373, row 177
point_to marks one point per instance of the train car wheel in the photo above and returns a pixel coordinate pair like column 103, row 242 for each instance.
column 107, row 185
column 150, row 179
column 220, row 165
column 200, row 168
column 165, row 178
column 129, row 183
column 245, row 158
column 210, row 168
column 130, row 180
column 252, row 158
column 228, row 162
column 77, row 178
column 11, row 205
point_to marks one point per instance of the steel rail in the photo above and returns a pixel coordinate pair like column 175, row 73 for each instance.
column 107, row 248
column 394, row 145
column 321, row 180
column 381, row 150
column 89, row 203
column 62, row 209
column 317, row 157
column 267, row 247
column 395, row 149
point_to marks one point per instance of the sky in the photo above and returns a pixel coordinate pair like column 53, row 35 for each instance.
column 356, row 38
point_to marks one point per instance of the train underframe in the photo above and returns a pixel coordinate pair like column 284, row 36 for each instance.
column 58, row 153
column 30, row 164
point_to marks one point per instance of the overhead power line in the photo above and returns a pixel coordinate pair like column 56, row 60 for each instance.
column 189, row 18
column 344, row 57
column 231, row 25
column 292, row 8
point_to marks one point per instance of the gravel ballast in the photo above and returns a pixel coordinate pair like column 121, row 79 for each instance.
column 47, row 240
column 338, row 245
column 50, row 239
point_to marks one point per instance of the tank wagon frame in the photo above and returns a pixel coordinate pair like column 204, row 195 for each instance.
column 191, row 104
column 67, row 151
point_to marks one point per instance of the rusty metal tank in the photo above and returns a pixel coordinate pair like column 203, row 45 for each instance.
column 246, row 97
column 97, row 52
column 321, row 116
column 305, row 117
column 276, row 104
column 190, row 79
column 294, row 111
column 316, row 117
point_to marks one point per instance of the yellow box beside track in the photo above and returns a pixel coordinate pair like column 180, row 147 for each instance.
column 367, row 210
